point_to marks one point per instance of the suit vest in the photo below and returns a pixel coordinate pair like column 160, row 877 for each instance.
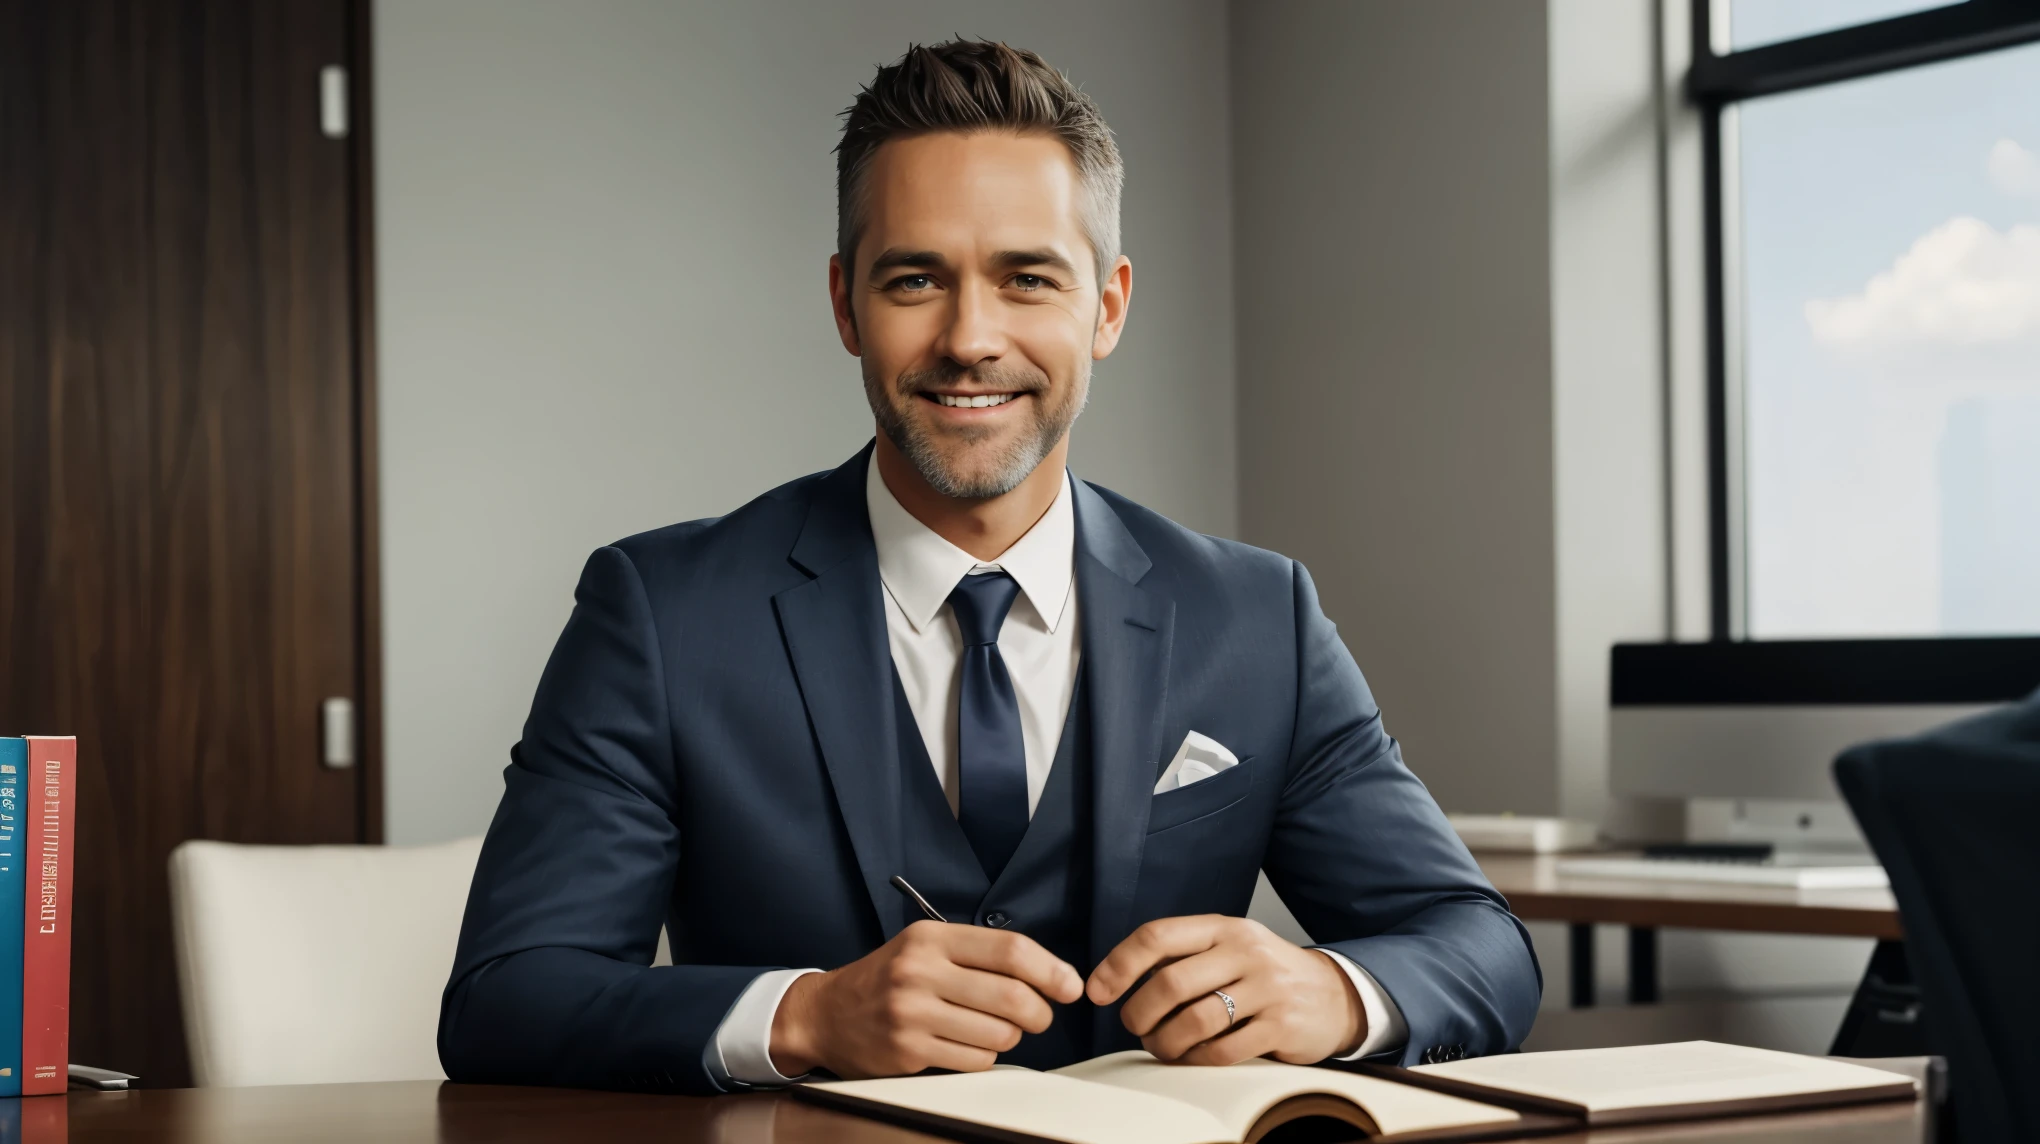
column 1045, row 889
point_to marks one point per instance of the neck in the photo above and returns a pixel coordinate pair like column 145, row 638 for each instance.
column 983, row 528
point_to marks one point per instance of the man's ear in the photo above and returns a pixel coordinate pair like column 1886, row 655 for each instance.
column 1114, row 295
column 841, row 301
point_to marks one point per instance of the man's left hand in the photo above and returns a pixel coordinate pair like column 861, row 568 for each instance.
column 1290, row 1003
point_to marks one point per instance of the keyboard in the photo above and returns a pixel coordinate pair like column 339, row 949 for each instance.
column 1811, row 871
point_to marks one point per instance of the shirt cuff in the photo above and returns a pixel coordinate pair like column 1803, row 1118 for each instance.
column 1385, row 1026
column 742, row 1056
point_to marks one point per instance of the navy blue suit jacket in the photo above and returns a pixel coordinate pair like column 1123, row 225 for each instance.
column 712, row 748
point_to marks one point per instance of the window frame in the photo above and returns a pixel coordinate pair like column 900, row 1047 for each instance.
column 1715, row 84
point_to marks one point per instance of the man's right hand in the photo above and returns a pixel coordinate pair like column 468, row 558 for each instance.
column 935, row 996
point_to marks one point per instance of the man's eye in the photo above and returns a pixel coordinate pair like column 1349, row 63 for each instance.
column 1029, row 281
column 914, row 283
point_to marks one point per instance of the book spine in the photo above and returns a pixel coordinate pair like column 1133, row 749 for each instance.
column 46, row 917
column 13, row 768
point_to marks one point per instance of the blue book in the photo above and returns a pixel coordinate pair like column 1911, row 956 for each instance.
column 13, row 871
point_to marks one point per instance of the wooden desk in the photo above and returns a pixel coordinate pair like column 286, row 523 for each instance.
column 423, row 1111
column 1537, row 892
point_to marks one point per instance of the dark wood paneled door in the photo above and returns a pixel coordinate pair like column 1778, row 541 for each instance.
column 185, row 563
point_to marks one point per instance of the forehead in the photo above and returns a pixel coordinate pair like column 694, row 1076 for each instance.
column 990, row 189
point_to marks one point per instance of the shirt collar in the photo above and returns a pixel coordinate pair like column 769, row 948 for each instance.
column 920, row 569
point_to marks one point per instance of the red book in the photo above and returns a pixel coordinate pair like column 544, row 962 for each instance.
column 52, row 787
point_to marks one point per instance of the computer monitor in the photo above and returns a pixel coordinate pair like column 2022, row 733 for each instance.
column 1765, row 719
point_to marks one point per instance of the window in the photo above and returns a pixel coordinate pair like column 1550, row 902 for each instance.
column 1874, row 239
column 1755, row 23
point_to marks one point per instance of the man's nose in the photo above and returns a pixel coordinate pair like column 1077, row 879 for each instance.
column 976, row 332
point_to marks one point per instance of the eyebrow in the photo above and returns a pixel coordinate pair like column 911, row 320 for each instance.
column 1012, row 259
column 900, row 259
column 897, row 259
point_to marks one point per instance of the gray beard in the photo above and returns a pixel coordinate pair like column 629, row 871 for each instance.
column 1012, row 465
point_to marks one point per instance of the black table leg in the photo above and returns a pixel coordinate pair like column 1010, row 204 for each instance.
column 1580, row 944
column 1643, row 975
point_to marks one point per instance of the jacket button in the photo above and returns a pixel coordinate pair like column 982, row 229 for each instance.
column 997, row 920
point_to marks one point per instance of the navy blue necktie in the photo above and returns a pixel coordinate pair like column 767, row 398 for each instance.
column 991, row 770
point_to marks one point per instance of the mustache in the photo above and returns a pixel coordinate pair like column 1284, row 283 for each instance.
column 1000, row 378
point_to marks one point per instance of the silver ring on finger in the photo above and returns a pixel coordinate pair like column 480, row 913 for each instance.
column 1231, row 1013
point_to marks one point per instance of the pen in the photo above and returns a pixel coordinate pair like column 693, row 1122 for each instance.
column 907, row 888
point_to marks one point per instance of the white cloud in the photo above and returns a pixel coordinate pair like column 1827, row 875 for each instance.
column 1963, row 283
column 2014, row 170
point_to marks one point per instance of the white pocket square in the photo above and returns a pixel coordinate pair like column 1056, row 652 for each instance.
column 1199, row 758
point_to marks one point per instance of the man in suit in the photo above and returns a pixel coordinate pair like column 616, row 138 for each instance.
column 1078, row 729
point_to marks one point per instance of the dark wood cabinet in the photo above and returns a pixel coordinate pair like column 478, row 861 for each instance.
column 186, row 470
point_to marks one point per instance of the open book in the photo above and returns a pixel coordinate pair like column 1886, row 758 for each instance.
column 1682, row 1081
column 1131, row 1098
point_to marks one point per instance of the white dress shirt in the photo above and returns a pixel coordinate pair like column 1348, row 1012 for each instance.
column 1038, row 642
column 919, row 569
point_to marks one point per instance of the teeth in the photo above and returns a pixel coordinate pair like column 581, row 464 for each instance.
column 977, row 401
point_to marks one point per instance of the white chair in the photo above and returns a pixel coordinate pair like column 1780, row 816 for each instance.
column 315, row 964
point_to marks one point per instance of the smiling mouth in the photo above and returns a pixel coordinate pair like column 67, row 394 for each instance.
column 970, row 400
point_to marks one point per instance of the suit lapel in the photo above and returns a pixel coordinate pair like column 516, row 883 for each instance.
column 1127, row 637
column 834, row 627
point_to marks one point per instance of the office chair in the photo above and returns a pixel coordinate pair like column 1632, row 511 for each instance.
column 315, row 964
column 1954, row 815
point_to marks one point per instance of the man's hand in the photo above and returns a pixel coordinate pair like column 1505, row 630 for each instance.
column 935, row 996
column 1290, row 1003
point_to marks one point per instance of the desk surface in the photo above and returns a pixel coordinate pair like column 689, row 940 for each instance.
column 1537, row 892
column 403, row 1111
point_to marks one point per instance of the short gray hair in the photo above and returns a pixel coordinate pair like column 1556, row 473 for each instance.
column 978, row 85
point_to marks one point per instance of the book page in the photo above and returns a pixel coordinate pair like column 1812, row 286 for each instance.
column 1600, row 1081
column 1238, row 1095
column 1044, row 1105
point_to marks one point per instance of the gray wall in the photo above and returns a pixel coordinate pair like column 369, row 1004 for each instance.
column 603, row 232
column 1395, row 362
column 1453, row 392
column 1608, row 380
